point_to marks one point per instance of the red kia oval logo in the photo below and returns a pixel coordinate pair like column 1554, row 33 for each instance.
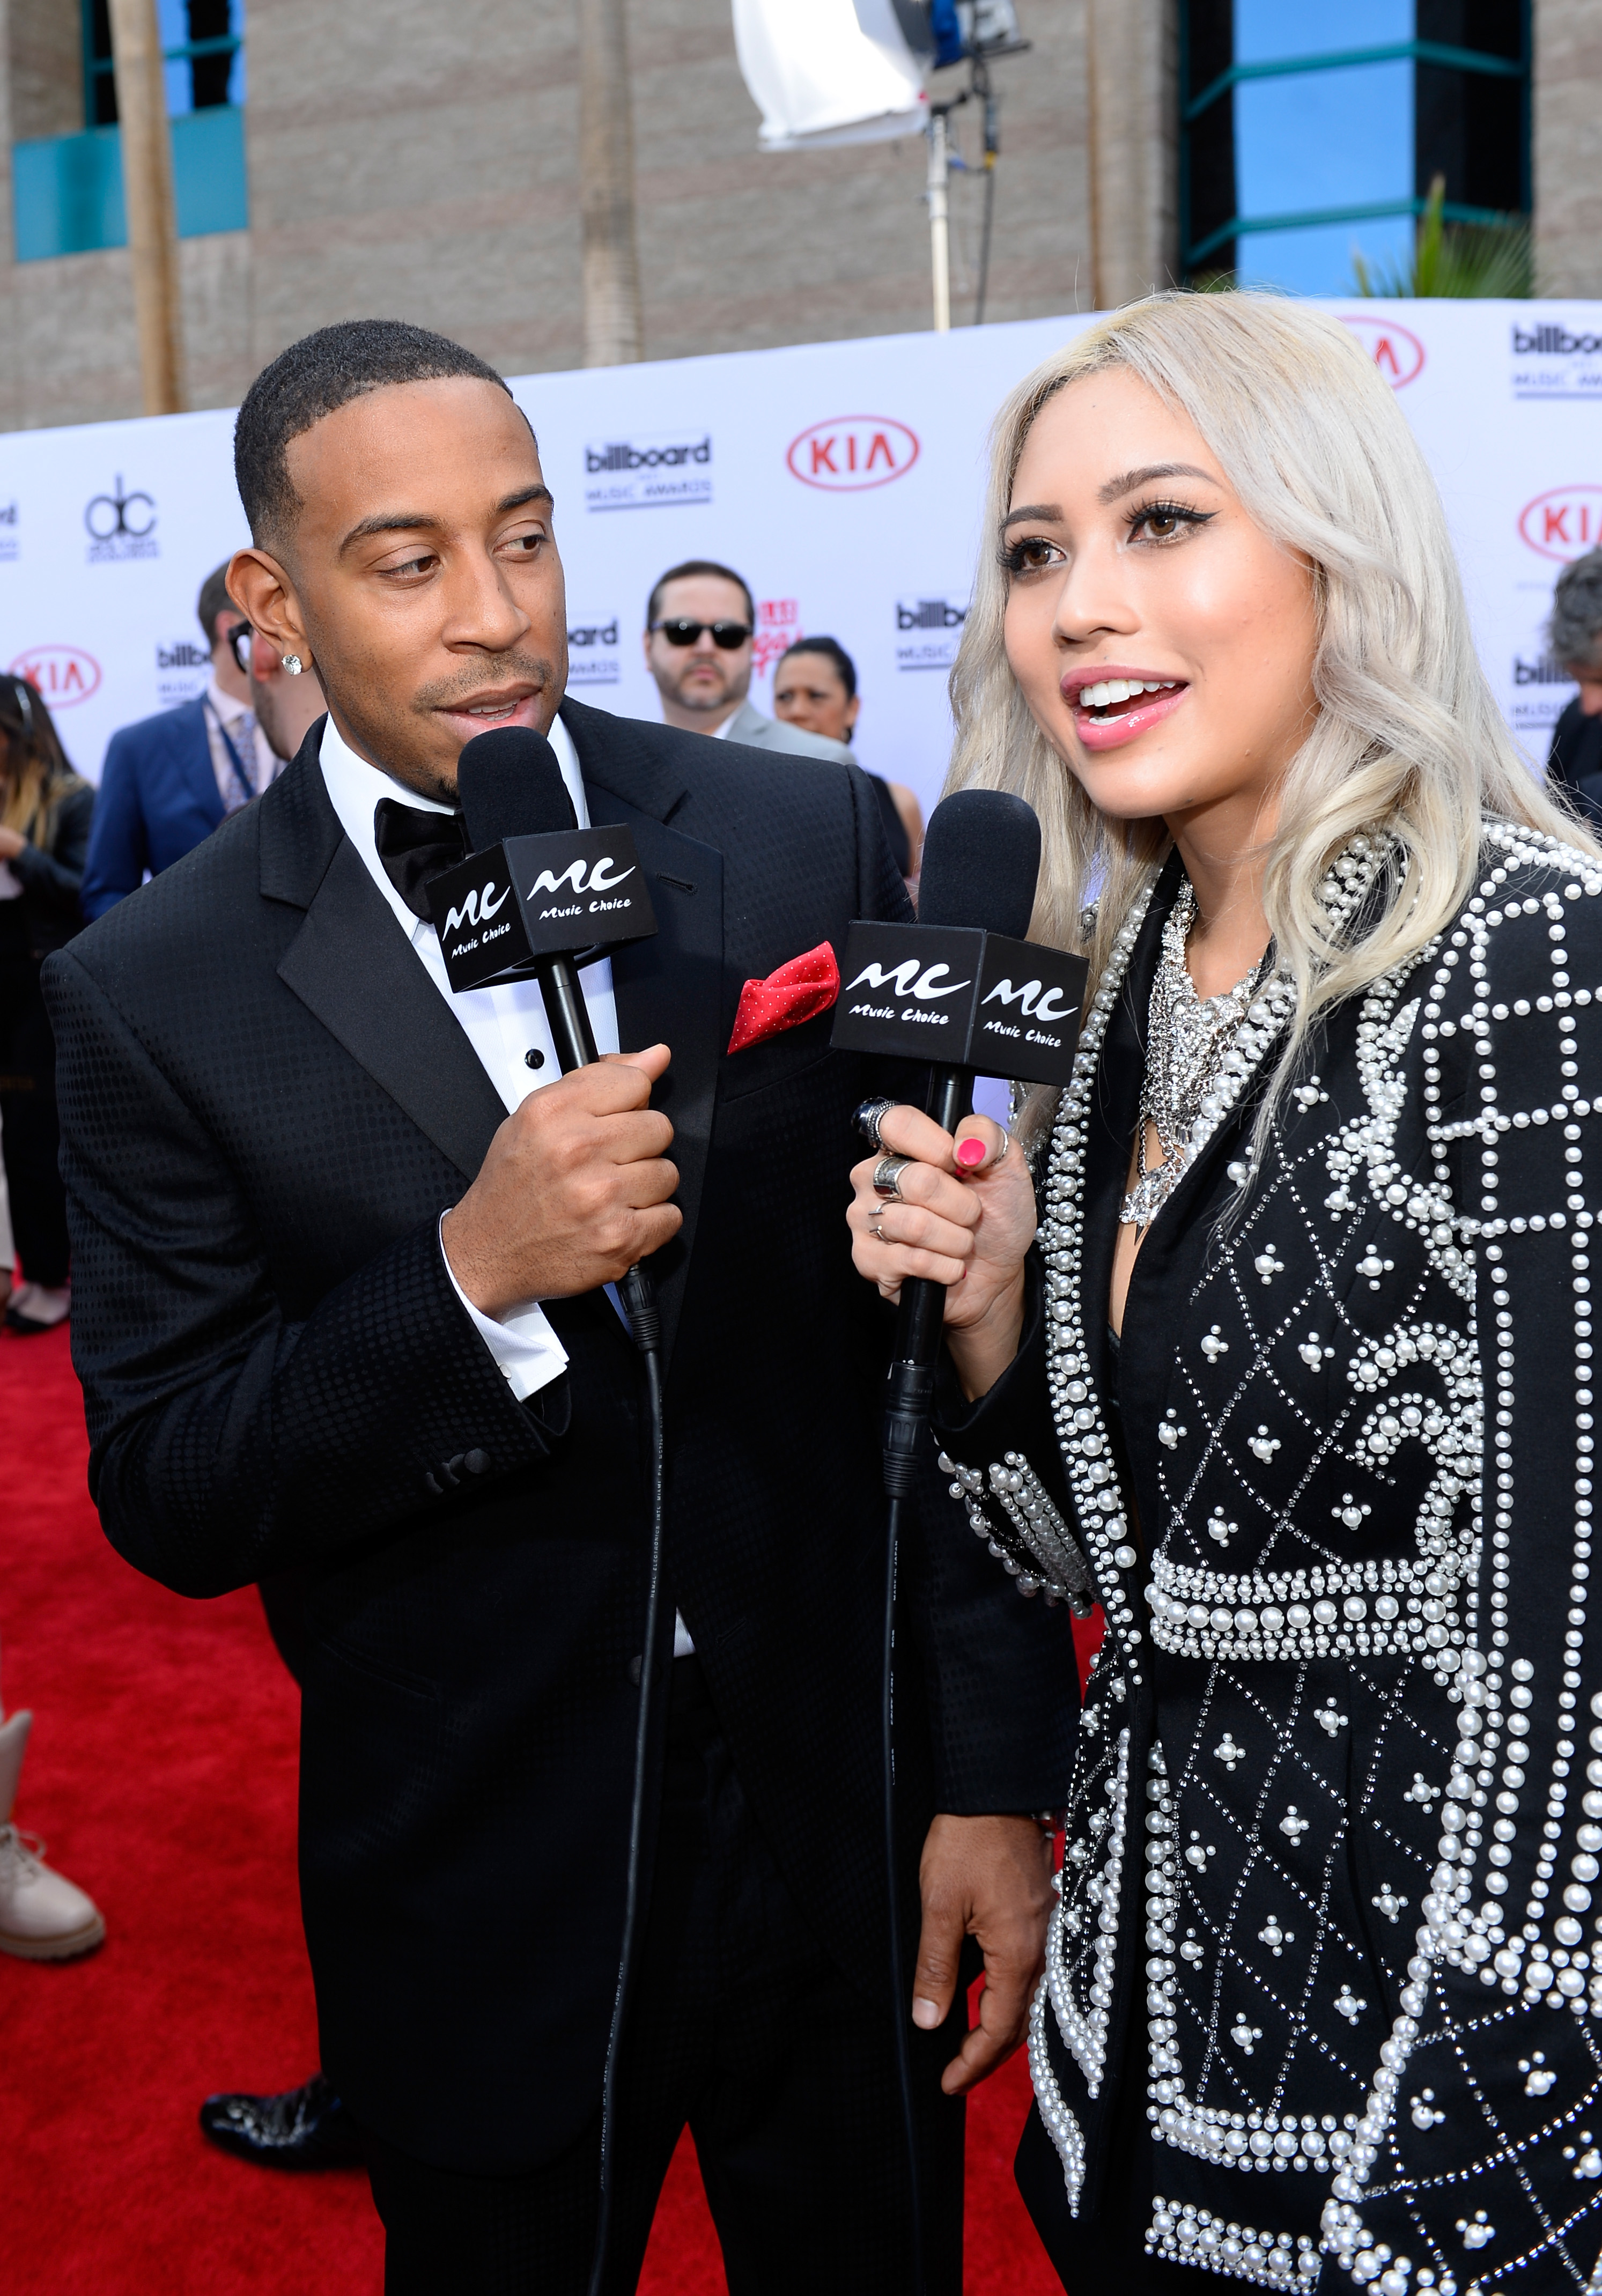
column 64, row 675
column 851, row 452
column 1565, row 523
column 1396, row 351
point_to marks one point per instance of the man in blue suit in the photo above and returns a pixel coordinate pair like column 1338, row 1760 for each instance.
column 169, row 781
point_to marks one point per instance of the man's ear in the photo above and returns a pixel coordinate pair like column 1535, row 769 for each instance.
column 263, row 591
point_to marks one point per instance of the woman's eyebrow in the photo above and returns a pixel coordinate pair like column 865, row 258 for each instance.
column 1033, row 510
column 1127, row 482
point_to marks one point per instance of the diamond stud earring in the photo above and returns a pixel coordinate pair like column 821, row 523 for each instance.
column 292, row 663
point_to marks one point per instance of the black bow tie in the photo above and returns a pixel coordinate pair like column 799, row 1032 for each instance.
column 415, row 846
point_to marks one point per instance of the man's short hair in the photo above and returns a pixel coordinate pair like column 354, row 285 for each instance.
column 214, row 599
column 700, row 566
column 1576, row 629
column 317, row 376
column 832, row 651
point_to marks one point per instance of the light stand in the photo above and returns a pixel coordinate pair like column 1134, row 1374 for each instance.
column 943, row 159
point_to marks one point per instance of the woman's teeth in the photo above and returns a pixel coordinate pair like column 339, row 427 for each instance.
column 1122, row 689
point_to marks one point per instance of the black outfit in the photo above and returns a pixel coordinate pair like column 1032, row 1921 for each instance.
column 1574, row 761
column 1324, row 1984
column 760, row 2048
column 279, row 1377
column 892, row 825
column 43, row 919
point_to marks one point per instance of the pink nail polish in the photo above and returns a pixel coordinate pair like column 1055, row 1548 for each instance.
column 970, row 1152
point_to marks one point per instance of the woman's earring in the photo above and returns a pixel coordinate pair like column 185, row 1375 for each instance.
column 292, row 663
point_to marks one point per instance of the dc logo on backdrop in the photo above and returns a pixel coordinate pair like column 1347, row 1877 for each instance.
column 120, row 525
column 929, row 631
column 658, row 471
column 592, row 652
column 11, row 540
column 182, row 671
column 64, row 675
column 1396, row 351
column 1564, row 523
column 853, row 451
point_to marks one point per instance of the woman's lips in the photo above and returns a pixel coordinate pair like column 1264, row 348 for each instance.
column 1099, row 729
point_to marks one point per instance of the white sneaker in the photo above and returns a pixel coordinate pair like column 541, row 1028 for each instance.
column 42, row 1916
column 32, row 1309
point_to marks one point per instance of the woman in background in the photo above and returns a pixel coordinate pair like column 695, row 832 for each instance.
column 1300, row 1356
column 815, row 687
column 44, row 815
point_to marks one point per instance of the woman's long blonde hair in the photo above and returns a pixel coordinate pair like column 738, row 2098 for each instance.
column 1408, row 737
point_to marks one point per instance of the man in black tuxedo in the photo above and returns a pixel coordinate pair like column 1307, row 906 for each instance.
column 341, row 1250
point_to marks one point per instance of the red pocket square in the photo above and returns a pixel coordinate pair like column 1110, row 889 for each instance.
column 797, row 992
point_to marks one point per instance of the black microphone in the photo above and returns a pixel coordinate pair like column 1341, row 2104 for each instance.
column 981, row 863
column 510, row 785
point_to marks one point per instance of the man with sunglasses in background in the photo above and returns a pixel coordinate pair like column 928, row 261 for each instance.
column 699, row 628
column 168, row 780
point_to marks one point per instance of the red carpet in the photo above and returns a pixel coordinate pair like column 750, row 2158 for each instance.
column 162, row 1774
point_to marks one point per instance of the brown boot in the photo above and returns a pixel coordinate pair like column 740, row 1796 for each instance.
column 42, row 1916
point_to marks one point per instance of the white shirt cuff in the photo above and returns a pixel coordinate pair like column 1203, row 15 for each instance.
column 530, row 1353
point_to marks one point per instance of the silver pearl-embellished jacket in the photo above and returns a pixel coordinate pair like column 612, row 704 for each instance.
column 1333, row 1888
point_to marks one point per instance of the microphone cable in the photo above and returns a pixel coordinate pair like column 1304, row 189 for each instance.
column 644, row 1322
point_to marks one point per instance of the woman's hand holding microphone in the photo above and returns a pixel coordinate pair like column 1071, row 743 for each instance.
column 963, row 1215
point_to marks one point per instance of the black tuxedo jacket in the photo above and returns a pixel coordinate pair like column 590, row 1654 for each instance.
column 265, row 1104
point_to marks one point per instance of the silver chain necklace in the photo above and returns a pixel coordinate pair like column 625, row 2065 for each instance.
column 1189, row 1039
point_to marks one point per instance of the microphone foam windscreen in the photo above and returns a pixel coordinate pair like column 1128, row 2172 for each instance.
column 982, row 860
column 510, row 785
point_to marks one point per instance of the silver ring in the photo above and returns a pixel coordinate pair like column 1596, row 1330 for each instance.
column 1006, row 1142
column 868, row 1118
column 887, row 1176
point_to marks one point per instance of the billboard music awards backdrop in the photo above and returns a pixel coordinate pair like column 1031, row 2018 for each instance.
column 843, row 480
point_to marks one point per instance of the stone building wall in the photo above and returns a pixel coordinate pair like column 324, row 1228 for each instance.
column 420, row 161
column 1568, row 147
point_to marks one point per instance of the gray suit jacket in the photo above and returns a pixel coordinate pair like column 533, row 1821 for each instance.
column 759, row 732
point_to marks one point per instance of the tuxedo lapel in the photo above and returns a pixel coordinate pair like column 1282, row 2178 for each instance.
column 350, row 967
column 668, row 988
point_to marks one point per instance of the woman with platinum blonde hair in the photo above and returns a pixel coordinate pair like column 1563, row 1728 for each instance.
column 1285, row 1341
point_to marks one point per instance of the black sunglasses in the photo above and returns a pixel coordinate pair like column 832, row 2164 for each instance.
column 680, row 631
column 241, row 652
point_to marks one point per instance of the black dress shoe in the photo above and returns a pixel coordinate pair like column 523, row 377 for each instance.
column 306, row 2127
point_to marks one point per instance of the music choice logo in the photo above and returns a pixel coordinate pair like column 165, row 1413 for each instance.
column 120, row 525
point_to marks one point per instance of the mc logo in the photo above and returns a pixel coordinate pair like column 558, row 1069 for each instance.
column 907, row 981
column 477, row 909
column 1564, row 523
column 853, row 452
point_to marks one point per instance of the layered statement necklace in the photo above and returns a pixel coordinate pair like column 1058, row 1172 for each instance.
column 1193, row 1043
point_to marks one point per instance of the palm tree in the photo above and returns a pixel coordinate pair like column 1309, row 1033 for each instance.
column 1455, row 258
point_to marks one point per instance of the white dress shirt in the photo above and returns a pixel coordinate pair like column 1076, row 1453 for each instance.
column 502, row 1024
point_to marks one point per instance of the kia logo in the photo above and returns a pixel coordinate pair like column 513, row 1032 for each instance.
column 1396, row 352
column 1565, row 523
column 64, row 675
column 110, row 515
column 851, row 452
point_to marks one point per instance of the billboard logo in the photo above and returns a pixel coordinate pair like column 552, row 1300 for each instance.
column 592, row 652
column 938, row 623
column 10, row 544
column 1550, row 341
column 853, row 452
column 655, row 473
column 1396, row 351
column 182, row 671
column 120, row 525
column 63, row 674
column 1564, row 523
column 1546, row 671
column 778, row 626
